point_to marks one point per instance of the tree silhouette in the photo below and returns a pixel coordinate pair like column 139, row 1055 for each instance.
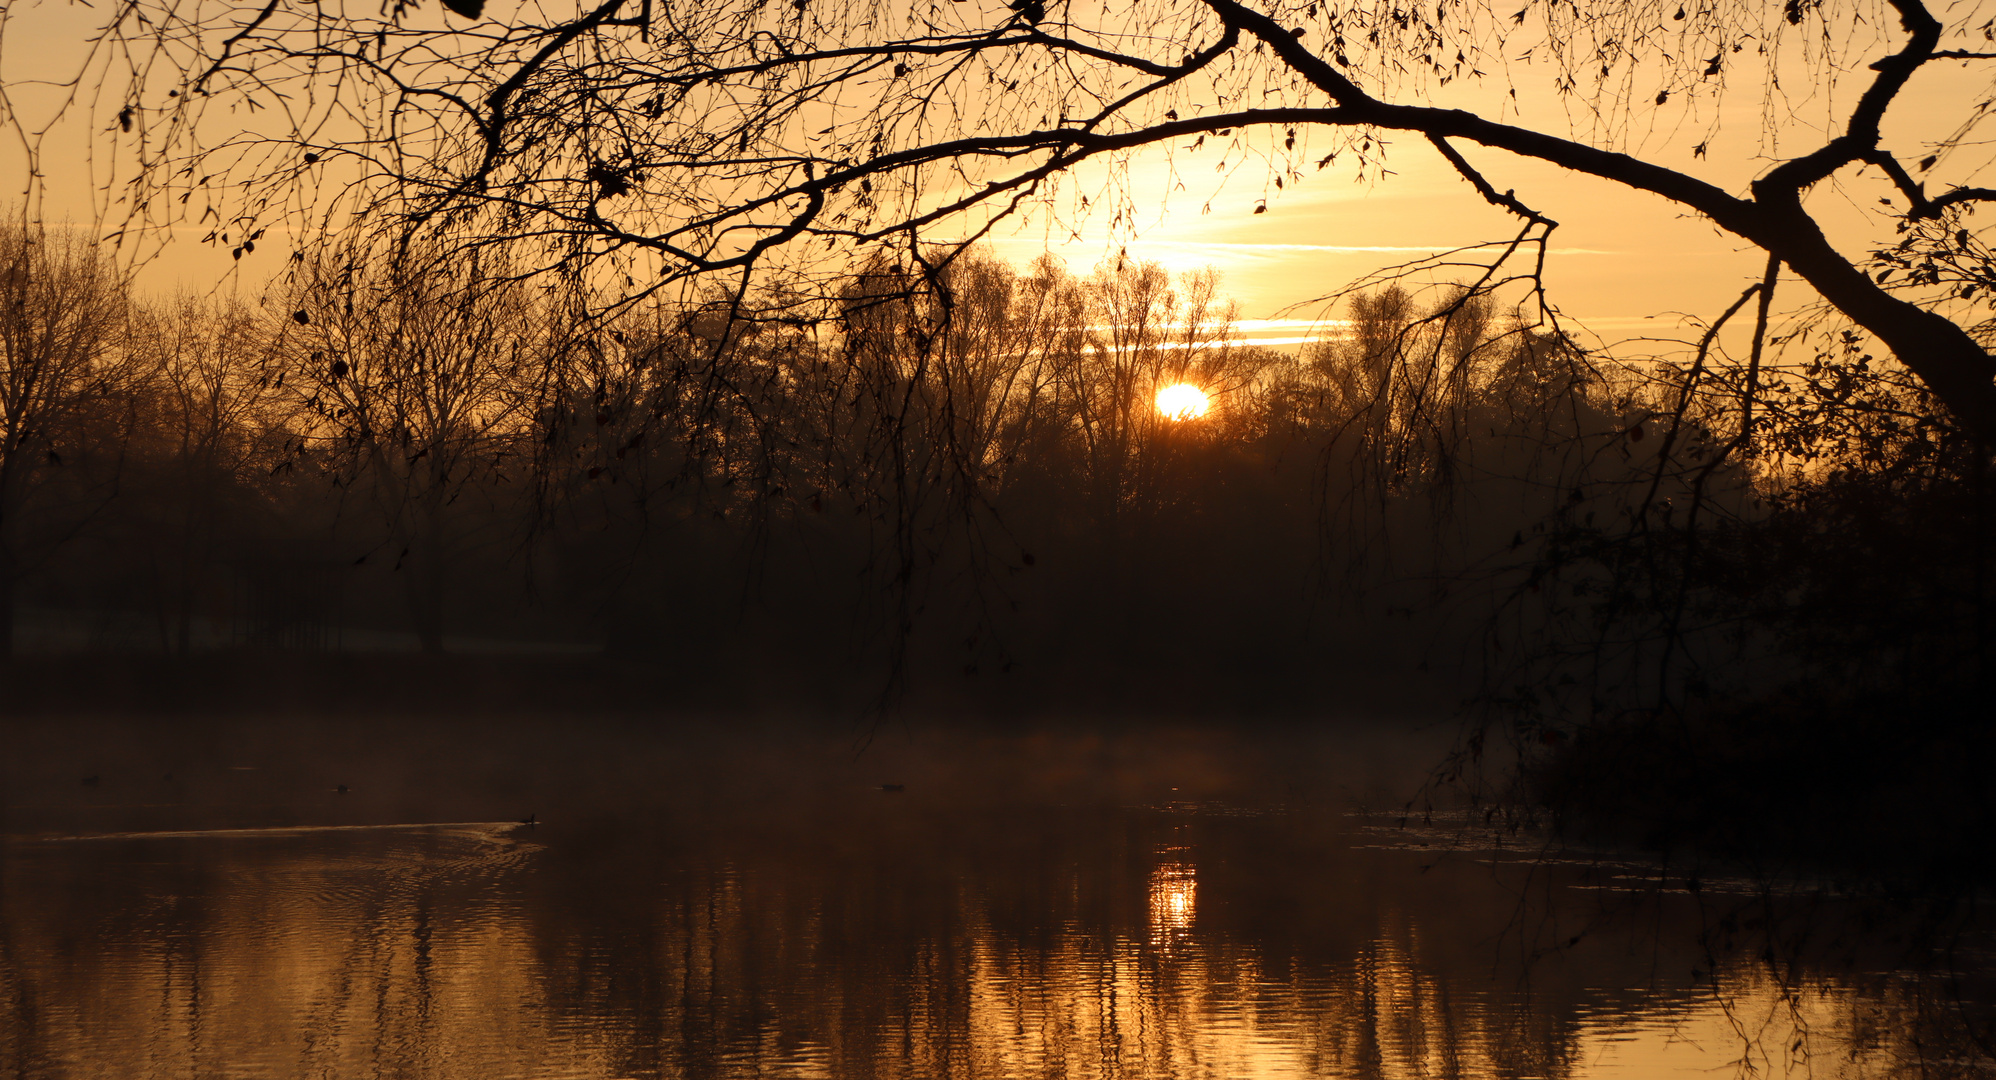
column 213, row 380
column 413, row 377
column 652, row 140
column 62, row 315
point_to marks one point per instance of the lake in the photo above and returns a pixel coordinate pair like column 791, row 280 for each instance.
column 758, row 898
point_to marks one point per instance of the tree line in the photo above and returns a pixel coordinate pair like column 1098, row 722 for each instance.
column 954, row 467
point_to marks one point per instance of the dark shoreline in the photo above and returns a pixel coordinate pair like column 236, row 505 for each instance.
column 250, row 683
column 1887, row 790
column 1882, row 792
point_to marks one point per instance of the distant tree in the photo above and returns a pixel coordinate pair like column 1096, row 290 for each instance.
column 1147, row 332
column 1401, row 380
column 410, row 372
column 990, row 363
column 62, row 325
column 214, row 397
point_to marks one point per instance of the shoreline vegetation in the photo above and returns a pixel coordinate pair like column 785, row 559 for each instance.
column 375, row 685
column 1879, row 790
column 1687, row 599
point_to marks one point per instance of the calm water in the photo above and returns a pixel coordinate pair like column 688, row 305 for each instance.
column 748, row 901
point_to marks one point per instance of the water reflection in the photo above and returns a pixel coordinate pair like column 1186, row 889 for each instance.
column 1174, row 896
column 857, row 935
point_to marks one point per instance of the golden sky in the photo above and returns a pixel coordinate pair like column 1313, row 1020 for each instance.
column 1625, row 264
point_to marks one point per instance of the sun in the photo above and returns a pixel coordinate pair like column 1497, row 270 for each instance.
column 1182, row 401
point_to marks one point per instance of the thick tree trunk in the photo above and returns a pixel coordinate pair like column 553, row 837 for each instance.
column 425, row 596
column 1958, row 370
column 427, row 578
column 6, row 601
column 432, row 618
column 9, row 563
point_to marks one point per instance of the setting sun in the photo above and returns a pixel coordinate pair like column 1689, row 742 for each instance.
column 1182, row 401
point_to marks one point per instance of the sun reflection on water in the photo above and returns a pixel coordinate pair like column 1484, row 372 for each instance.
column 1174, row 896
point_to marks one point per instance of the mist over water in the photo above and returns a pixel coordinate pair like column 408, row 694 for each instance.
column 725, row 897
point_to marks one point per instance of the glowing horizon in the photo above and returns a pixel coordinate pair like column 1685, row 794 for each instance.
column 1182, row 401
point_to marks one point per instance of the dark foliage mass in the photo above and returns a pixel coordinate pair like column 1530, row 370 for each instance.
column 958, row 475
column 1660, row 579
column 1853, row 609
